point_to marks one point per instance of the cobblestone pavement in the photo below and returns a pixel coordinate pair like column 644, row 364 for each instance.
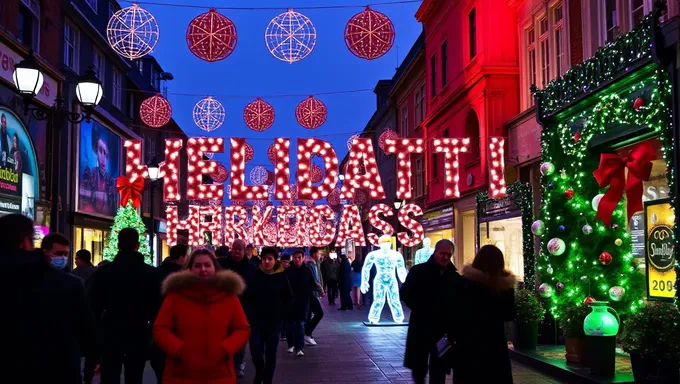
column 350, row 352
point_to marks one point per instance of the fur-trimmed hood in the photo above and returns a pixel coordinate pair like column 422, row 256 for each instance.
column 506, row 280
column 185, row 282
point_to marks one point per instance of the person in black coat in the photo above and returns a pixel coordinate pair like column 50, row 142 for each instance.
column 426, row 292
column 487, row 298
column 303, row 284
column 46, row 321
column 126, row 297
column 267, row 294
column 345, row 284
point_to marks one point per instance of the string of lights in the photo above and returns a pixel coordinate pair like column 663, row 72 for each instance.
column 272, row 96
column 313, row 7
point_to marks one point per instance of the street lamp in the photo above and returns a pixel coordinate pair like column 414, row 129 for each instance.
column 398, row 204
column 28, row 79
column 154, row 171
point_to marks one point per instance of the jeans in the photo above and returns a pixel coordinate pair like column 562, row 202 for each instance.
column 346, row 299
column 438, row 369
column 263, row 344
column 157, row 362
column 295, row 334
column 113, row 359
column 332, row 290
column 89, row 368
column 314, row 315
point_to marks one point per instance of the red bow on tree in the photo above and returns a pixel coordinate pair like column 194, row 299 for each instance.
column 612, row 172
column 130, row 190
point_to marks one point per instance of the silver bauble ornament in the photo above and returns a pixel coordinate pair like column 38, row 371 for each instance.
column 547, row 168
column 556, row 246
column 587, row 229
column 616, row 293
column 545, row 290
column 559, row 286
column 538, row 228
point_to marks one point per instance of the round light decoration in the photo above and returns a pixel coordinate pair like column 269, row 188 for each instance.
column 271, row 153
column 132, row 32
column 208, row 114
column 258, row 175
column 155, row 111
column 369, row 34
column 311, row 113
column 270, row 178
column 388, row 134
column 334, row 197
column 316, row 173
column 249, row 152
column 290, row 36
column 360, row 197
column 211, row 36
column 259, row 115
column 221, row 175
column 351, row 140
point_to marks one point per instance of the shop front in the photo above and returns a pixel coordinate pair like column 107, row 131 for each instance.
column 160, row 244
column 90, row 233
column 438, row 225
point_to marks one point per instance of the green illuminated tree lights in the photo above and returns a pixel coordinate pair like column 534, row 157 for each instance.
column 127, row 218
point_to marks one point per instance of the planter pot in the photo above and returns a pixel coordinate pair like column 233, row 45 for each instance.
column 601, row 355
column 576, row 350
column 650, row 370
column 524, row 335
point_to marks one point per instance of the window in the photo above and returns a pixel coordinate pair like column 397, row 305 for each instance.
column 435, row 171
column 420, row 177
column 637, row 11
column 116, row 89
column 92, row 4
column 444, row 53
column 611, row 22
column 29, row 24
column 472, row 25
column 433, row 75
column 531, row 51
column 445, row 134
column 420, row 105
column 140, row 66
column 472, row 132
column 545, row 50
column 403, row 128
column 558, row 34
column 71, row 46
column 98, row 64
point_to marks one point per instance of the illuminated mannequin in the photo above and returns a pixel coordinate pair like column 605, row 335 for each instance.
column 424, row 253
column 389, row 264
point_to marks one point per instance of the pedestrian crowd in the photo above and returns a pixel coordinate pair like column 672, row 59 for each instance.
column 193, row 315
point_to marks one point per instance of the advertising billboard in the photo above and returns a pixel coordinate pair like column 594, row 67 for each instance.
column 98, row 167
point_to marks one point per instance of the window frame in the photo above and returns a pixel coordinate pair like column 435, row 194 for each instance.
column 419, row 187
column 543, row 48
column 646, row 8
column 532, row 58
column 444, row 58
column 472, row 33
column 117, row 89
column 99, row 66
column 33, row 8
column 419, row 113
column 559, row 42
column 72, row 45
column 433, row 75
column 93, row 5
column 403, row 126
column 616, row 26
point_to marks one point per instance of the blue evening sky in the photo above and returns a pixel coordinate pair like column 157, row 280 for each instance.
column 252, row 71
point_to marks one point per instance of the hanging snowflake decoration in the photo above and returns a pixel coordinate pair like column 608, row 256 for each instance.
column 271, row 154
column 211, row 36
column 334, row 197
column 221, row 175
column 249, row 152
column 388, row 134
column 311, row 113
column 258, row 175
column 270, row 178
column 351, row 139
column 290, row 36
column 208, row 114
column 360, row 197
column 259, row 115
column 369, row 34
column 155, row 111
column 132, row 32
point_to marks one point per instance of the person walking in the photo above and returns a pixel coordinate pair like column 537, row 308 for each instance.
column 315, row 313
column 345, row 284
column 46, row 320
column 267, row 294
column 427, row 291
column 329, row 269
column 172, row 264
column 284, row 260
column 125, row 297
column 487, row 297
column 356, row 281
column 303, row 284
column 201, row 324
column 84, row 268
column 56, row 248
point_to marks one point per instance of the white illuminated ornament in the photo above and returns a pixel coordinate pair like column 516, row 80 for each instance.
column 258, row 175
column 351, row 139
column 208, row 114
column 290, row 36
column 389, row 264
column 452, row 148
column 132, row 32
column 496, row 168
column 424, row 253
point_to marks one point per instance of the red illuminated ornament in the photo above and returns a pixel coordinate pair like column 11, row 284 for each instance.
column 351, row 139
column 334, row 197
column 638, row 103
column 271, row 154
column 258, row 175
column 130, row 190
column 605, row 258
column 316, row 173
column 387, row 135
column 221, row 175
column 577, row 136
column 249, row 151
column 270, row 178
column 569, row 194
column 369, row 34
column 588, row 300
column 360, row 197
column 211, row 36
column 259, row 115
column 155, row 111
column 311, row 113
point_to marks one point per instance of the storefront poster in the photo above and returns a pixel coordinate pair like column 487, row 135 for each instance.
column 660, row 259
column 98, row 168
column 438, row 220
column 18, row 165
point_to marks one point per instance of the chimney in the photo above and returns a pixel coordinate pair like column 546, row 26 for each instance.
column 382, row 92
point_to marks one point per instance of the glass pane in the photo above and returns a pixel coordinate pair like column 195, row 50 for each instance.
column 544, row 25
column 531, row 36
column 558, row 13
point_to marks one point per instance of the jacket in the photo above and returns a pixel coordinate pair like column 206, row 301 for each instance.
column 329, row 269
column 427, row 291
column 84, row 272
column 303, row 285
column 125, row 297
column 46, row 321
column 244, row 268
column 345, row 275
column 267, row 296
column 316, row 273
column 480, row 335
column 200, row 327
column 166, row 268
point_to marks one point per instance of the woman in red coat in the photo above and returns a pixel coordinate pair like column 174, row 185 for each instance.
column 201, row 324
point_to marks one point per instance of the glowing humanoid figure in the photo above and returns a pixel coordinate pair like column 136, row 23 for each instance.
column 424, row 253
column 387, row 262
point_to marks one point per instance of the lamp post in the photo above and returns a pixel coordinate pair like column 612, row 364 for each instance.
column 28, row 79
column 154, row 175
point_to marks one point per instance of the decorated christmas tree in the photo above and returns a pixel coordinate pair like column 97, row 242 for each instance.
column 127, row 217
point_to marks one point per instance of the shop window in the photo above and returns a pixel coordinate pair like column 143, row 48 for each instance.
column 29, row 24
column 444, row 58
column 505, row 234
column 472, row 32
column 71, row 46
column 94, row 240
column 472, row 132
column 433, row 75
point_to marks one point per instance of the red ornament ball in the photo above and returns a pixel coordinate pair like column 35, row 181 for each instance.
column 369, row 34
column 360, row 197
column 316, row 173
column 155, row 111
column 605, row 258
column 577, row 137
column 588, row 300
column 271, row 154
column 311, row 113
column 334, row 197
column 259, row 115
column 211, row 36
column 639, row 102
column 388, row 134
column 249, row 152
column 221, row 175
column 569, row 194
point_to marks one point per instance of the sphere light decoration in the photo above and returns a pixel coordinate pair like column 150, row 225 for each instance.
column 545, row 290
column 290, row 36
column 208, row 114
column 250, row 152
column 595, row 203
column 258, row 175
column 334, row 197
column 616, row 293
column 311, row 113
column 556, row 246
column 259, row 115
column 132, row 32
column 155, row 111
column 369, row 34
column 351, row 140
column 538, row 228
column 316, row 173
column 360, row 197
column 211, row 36
column 388, row 134
column 587, row 229
column 271, row 153
column 547, row 168
column 221, row 175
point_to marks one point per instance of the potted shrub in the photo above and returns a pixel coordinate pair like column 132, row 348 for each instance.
column 652, row 338
column 571, row 324
column 529, row 313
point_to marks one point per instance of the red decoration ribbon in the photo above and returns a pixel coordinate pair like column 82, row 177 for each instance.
column 130, row 190
column 612, row 173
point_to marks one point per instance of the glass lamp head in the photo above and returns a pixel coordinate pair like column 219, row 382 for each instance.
column 398, row 204
column 89, row 89
column 28, row 78
column 154, row 170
